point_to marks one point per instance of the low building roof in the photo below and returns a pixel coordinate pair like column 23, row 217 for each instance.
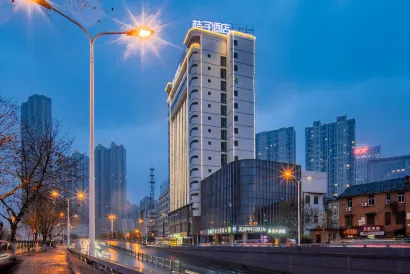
column 377, row 187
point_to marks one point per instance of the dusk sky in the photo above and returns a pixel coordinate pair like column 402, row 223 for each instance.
column 315, row 60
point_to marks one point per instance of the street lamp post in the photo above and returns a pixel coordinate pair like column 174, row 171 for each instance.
column 288, row 174
column 112, row 218
column 80, row 196
column 141, row 32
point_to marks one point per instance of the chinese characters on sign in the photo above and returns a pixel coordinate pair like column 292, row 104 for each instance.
column 371, row 230
column 211, row 26
column 276, row 231
column 242, row 229
column 350, row 232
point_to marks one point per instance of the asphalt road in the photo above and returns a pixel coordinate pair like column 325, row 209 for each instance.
column 207, row 265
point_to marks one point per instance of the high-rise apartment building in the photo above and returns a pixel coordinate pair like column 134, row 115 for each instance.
column 330, row 148
column 36, row 116
column 277, row 145
column 388, row 168
column 110, row 182
column 211, row 110
column 82, row 184
column 363, row 156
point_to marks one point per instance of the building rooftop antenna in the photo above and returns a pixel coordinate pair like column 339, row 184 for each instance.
column 152, row 189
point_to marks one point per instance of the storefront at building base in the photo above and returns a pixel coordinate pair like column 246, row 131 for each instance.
column 243, row 234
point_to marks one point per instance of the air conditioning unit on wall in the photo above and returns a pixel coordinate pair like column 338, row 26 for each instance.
column 348, row 209
column 364, row 204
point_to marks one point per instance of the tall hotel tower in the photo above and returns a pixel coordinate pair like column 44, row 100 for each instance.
column 211, row 111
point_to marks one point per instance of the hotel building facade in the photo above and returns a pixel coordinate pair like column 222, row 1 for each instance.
column 211, row 108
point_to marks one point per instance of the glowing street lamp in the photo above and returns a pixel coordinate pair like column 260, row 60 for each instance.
column 79, row 196
column 289, row 175
column 142, row 32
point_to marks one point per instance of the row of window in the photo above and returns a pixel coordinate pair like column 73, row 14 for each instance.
column 223, row 120
column 370, row 218
column 315, row 199
column 370, row 199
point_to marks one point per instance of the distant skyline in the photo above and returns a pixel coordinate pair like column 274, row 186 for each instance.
column 314, row 61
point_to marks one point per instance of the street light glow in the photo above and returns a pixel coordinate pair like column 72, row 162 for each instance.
column 80, row 195
column 43, row 3
column 287, row 174
column 55, row 193
column 142, row 32
column 111, row 217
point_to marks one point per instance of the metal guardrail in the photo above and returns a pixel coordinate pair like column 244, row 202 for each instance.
column 173, row 266
column 103, row 266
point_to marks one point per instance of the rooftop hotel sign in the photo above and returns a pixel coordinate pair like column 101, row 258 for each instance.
column 211, row 26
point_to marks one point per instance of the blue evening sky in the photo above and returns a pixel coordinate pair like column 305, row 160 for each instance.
column 315, row 60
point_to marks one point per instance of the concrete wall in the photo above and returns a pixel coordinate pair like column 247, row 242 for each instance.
column 318, row 260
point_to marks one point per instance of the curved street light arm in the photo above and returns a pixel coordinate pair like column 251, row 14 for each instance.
column 74, row 21
column 92, row 40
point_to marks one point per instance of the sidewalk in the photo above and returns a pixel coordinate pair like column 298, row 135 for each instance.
column 47, row 262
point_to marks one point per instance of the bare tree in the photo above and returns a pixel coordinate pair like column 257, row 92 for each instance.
column 37, row 165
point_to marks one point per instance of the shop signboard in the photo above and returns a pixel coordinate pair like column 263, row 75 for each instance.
column 242, row 229
column 376, row 230
column 350, row 232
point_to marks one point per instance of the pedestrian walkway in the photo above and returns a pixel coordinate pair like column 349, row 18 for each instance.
column 48, row 262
